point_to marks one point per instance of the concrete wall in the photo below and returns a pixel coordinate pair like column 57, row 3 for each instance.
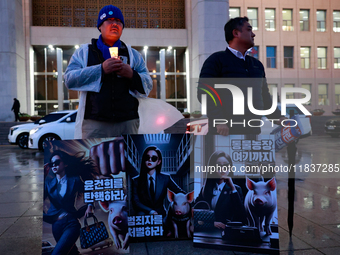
column 132, row 36
column 12, row 58
column 208, row 18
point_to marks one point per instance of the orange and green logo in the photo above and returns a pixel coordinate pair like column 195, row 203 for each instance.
column 210, row 94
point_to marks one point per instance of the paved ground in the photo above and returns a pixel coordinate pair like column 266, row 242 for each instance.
column 316, row 220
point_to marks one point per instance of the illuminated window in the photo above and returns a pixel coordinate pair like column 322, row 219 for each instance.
column 305, row 57
column 287, row 22
column 337, row 94
column 322, row 57
column 336, row 21
column 309, row 88
column 304, row 20
column 234, row 12
column 253, row 17
column 270, row 87
column 323, row 94
column 336, row 58
column 321, row 21
column 269, row 19
column 290, row 95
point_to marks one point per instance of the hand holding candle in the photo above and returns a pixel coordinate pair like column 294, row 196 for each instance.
column 113, row 52
column 114, row 64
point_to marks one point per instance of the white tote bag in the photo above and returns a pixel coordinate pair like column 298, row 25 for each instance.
column 155, row 115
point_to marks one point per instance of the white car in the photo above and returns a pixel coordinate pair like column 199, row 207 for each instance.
column 19, row 134
column 62, row 129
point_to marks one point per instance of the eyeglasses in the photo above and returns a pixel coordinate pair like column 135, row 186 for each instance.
column 55, row 163
column 153, row 158
column 114, row 21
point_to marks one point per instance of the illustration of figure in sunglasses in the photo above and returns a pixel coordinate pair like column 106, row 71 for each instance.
column 222, row 195
column 150, row 187
column 63, row 184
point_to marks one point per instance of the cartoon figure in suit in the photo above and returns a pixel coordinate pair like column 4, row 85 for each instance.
column 150, row 187
column 63, row 184
column 222, row 195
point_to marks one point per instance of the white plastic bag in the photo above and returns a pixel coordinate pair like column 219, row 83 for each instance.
column 155, row 115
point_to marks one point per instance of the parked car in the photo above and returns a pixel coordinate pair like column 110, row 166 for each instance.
column 62, row 129
column 19, row 134
column 332, row 127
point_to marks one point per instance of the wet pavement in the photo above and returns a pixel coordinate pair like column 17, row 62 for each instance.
column 316, row 220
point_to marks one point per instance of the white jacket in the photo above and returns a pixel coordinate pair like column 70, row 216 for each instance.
column 80, row 77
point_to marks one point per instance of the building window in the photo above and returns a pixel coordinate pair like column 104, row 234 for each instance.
column 336, row 21
column 322, row 57
column 171, row 61
column 271, row 56
column 254, row 52
column 137, row 14
column 253, row 18
column 173, row 64
column 290, row 95
column 305, row 57
column 323, row 94
column 46, row 73
column 304, row 20
column 309, row 88
column 270, row 19
column 234, row 12
column 336, row 58
column 321, row 20
column 288, row 52
column 271, row 86
column 337, row 94
column 287, row 20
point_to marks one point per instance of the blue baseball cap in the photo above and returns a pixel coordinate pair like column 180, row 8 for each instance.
column 109, row 11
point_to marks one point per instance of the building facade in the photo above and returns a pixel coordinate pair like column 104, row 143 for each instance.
column 298, row 41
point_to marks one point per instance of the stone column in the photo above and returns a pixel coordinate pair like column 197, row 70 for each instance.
column 12, row 58
column 206, row 36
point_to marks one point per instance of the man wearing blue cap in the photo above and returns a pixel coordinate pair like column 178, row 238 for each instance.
column 109, row 85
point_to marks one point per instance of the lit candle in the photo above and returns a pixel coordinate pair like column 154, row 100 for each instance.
column 114, row 52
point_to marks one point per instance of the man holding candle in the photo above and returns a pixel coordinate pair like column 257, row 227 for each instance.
column 110, row 76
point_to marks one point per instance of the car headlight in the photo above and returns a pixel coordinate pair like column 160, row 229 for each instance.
column 34, row 130
column 14, row 128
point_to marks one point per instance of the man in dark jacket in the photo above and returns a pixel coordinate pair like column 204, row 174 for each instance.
column 242, row 71
column 16, row 109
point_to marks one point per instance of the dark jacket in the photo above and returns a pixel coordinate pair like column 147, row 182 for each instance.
column 141, row 199
column 16, row 106
column 113, row 103
column 229, row 206
column 59, row 204
column 243, row 74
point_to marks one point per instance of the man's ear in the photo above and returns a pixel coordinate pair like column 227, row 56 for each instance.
column 236, row 33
